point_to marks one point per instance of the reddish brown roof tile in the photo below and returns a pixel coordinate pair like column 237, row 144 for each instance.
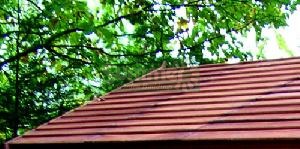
column 252, row 100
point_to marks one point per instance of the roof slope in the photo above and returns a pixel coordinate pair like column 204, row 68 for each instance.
column 252, row 100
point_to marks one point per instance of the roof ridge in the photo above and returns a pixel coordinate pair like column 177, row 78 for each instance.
column 239, row 63
column 131, row 82
column 163, row 65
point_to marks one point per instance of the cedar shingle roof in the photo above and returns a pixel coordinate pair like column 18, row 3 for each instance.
column 245, row 101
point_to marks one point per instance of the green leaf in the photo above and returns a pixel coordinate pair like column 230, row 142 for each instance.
column 282, row 44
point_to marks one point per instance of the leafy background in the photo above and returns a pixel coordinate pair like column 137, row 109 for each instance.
column 58, row 54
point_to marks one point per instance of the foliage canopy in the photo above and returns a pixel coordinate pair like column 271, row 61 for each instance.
column 70, row 50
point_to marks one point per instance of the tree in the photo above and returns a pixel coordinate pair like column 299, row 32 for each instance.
column 57, row 53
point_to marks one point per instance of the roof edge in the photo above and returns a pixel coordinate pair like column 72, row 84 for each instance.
column 238, row 63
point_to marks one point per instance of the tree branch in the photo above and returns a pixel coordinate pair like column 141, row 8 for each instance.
column 122, row 64
column 189, row 5
column 13, row 23
column 108, row 54
column 66, row 32
column 133, row 35
column 34, row 4
column 50, row 49
column 7, row 12
column 219, row 35
column 13, row 58
column 35, row 47
column 21, row 32
column 125, row 16
column 174, row 6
